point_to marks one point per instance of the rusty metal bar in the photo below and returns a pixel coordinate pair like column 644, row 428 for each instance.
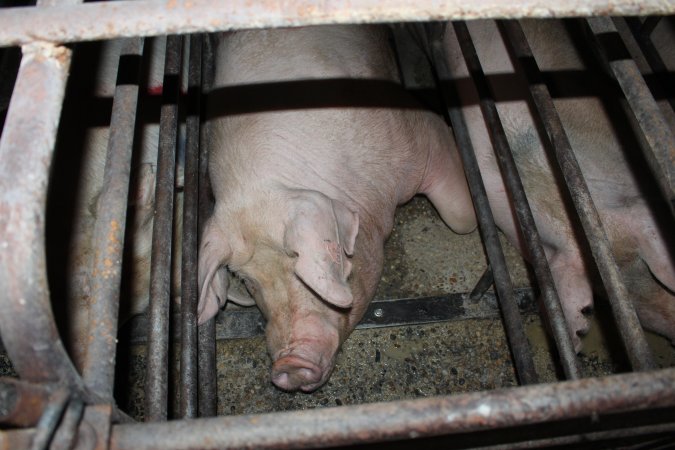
column 208, row 389
column 513, row 323
column 26, row 150
column 651, row 54
column 638, row 350
column 527, row 226
column 156, row 384
column 66, row 434
column 189, row 337
column 102, row 20
column 50, row 419
column 22, row 403
column 377, row 422
column 649, row 24
column 109, row 229
column 651, row 437
column 659, row 151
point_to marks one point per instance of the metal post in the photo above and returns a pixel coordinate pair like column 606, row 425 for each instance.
column 156, row 386
column 527, row 227
column 513, row 324
column 208, row 393
column 109, row 229
column 634, row 341
column 189, row 350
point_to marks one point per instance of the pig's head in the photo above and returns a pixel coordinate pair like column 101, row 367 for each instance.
column 296, row 269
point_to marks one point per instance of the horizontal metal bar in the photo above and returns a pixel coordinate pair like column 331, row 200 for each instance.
column 591, row 399
column 654, row 434
column 22, row 403
column 245, row 323
column 102, row 20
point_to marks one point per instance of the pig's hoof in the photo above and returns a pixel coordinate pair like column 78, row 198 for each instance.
column 292, row 373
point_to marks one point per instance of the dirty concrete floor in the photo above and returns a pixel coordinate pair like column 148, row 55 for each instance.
column 423, row 257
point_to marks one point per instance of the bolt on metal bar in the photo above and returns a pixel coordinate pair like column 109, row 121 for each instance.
column 542, row 404
column 50, row 419
column 208, row 389
column 26, row 151
column 660, row 149
column 156, row 385
column 513, row 324
column 527, row 226
column 632, row 335
column 189, row 336
column 109, row 228
column 104, row 20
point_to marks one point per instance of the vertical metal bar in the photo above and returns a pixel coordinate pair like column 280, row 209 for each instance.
column 26, row 150
column 652, row 56
column 189, row 368
column 527, row 227
column 634, row 341
column 50, row 419
column 109, row 229
column 650, row 23
column 66, row 434
column 208, row 394
column 513, row 324
column 660, row 149
column 156, row 385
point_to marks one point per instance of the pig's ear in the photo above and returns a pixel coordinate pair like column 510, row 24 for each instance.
column 322, row 232
column 214, row 253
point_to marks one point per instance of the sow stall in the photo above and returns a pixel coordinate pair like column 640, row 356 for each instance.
column 52, row 405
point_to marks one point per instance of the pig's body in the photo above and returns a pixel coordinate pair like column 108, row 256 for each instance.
column 640, row 244
column 306, row 197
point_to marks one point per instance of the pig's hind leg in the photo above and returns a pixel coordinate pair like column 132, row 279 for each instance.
column 445, row 186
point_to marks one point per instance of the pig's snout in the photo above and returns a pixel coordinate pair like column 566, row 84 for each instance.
column 292, row 373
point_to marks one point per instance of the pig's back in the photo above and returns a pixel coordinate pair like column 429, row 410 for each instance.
column 352, row 143
column 345, row 51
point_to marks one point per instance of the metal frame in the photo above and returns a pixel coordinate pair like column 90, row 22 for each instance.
column 65, row 405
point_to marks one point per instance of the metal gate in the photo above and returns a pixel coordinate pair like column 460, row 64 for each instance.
column 51, row 405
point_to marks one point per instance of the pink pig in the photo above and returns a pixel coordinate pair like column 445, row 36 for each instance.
column 638, row 237
column 305, row 196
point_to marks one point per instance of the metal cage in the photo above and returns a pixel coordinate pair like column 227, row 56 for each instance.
column 52, row 405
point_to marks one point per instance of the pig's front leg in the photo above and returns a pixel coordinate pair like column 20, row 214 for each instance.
column 444, row 182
